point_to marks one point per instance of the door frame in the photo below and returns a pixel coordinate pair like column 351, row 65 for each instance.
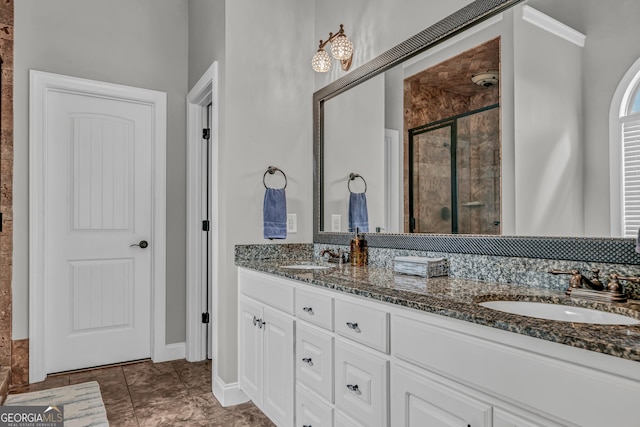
column 205, row 91
column 40, row 85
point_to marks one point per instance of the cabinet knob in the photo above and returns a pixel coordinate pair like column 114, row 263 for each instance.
column 353, row 388
column 255, row 320
column 261, row 323
column 308, row 310
column 353, row 326
column 308, row 361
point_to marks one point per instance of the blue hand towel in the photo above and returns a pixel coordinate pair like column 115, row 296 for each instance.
column 358, row 215
column 275, row 214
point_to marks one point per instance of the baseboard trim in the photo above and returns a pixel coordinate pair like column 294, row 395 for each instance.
column 228, row 394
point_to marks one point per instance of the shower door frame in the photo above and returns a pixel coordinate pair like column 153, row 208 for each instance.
column 451, row 122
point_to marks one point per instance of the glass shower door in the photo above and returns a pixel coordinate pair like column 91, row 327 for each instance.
column 455, row 175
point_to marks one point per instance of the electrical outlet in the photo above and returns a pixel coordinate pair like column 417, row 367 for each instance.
column 292, row 223
column 336, row 222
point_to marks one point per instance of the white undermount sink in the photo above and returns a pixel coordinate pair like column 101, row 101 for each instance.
column 560, row 312
column 306, row 266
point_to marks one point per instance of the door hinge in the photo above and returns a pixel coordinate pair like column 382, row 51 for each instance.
column 206, row 225
column 205, row 317
column 206, row 133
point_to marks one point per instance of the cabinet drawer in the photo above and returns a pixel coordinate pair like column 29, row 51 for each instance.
column 343, row 420
column 416, row 396
column 310, row 411
column 314, row 360
column 361, row 380
column 365, row 325
column 315, row 308
column 270, row 290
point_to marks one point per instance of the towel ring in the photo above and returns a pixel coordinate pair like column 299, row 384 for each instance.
column 271, row 170
column 353, row 176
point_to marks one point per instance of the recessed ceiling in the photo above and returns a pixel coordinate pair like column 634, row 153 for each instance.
column 454, row 74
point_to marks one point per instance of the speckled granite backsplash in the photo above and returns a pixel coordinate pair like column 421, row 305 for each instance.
column 530, row 272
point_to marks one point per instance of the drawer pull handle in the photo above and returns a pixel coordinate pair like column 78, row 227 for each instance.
column 308, row 310
column 353, row 388
column 353, row 326
column 255, row 320
column 261, row 323
column 306, row 425
column 308, row 361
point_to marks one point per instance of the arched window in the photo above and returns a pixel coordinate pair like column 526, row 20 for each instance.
column 625, row 151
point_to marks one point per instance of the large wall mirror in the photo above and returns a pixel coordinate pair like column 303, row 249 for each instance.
column 478, row 133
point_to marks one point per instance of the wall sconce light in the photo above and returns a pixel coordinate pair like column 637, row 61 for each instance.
column 341, row 49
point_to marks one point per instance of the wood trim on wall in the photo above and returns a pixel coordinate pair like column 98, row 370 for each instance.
column 6, row 183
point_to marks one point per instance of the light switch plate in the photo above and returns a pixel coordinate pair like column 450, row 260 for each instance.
column 336, row 222
column 292, row 223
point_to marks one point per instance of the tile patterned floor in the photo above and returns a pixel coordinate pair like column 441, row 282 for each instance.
column 147, row 394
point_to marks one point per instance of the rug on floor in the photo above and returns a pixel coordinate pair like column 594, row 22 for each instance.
column 82, row 403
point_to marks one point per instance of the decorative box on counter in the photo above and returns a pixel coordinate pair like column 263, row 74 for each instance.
column 421, row 266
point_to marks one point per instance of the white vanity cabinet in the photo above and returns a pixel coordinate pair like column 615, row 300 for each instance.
column 360, row 362
column 266, row 344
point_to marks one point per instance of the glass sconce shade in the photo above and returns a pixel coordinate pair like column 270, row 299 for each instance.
column 341, row 47
column 321, row 61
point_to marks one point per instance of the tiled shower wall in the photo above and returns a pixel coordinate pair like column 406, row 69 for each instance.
column 6, row 178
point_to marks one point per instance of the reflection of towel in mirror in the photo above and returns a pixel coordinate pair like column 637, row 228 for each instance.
column 358, row 215
column 275, row 214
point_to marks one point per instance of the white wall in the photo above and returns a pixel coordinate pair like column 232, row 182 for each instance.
column 354, row 143
column 375, row 26
column 611, row 48
column 140, row 43
column 549, row 145
column 265, row 119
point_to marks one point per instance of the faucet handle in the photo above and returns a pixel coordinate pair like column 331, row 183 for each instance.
column 575, row 282
column 572, row 272
column 629, row 278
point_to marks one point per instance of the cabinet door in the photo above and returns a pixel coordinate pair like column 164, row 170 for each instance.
column 250, row 348
column 278, row 367
column 418, row 400
column 361, row 381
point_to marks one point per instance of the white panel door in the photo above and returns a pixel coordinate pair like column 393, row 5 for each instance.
column 98, row 204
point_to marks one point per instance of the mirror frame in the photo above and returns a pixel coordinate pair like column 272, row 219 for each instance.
column 591, row 249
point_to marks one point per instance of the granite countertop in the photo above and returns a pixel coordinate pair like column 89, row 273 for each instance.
column 458, row 298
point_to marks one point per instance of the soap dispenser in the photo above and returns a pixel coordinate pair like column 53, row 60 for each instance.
column 359, row 254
